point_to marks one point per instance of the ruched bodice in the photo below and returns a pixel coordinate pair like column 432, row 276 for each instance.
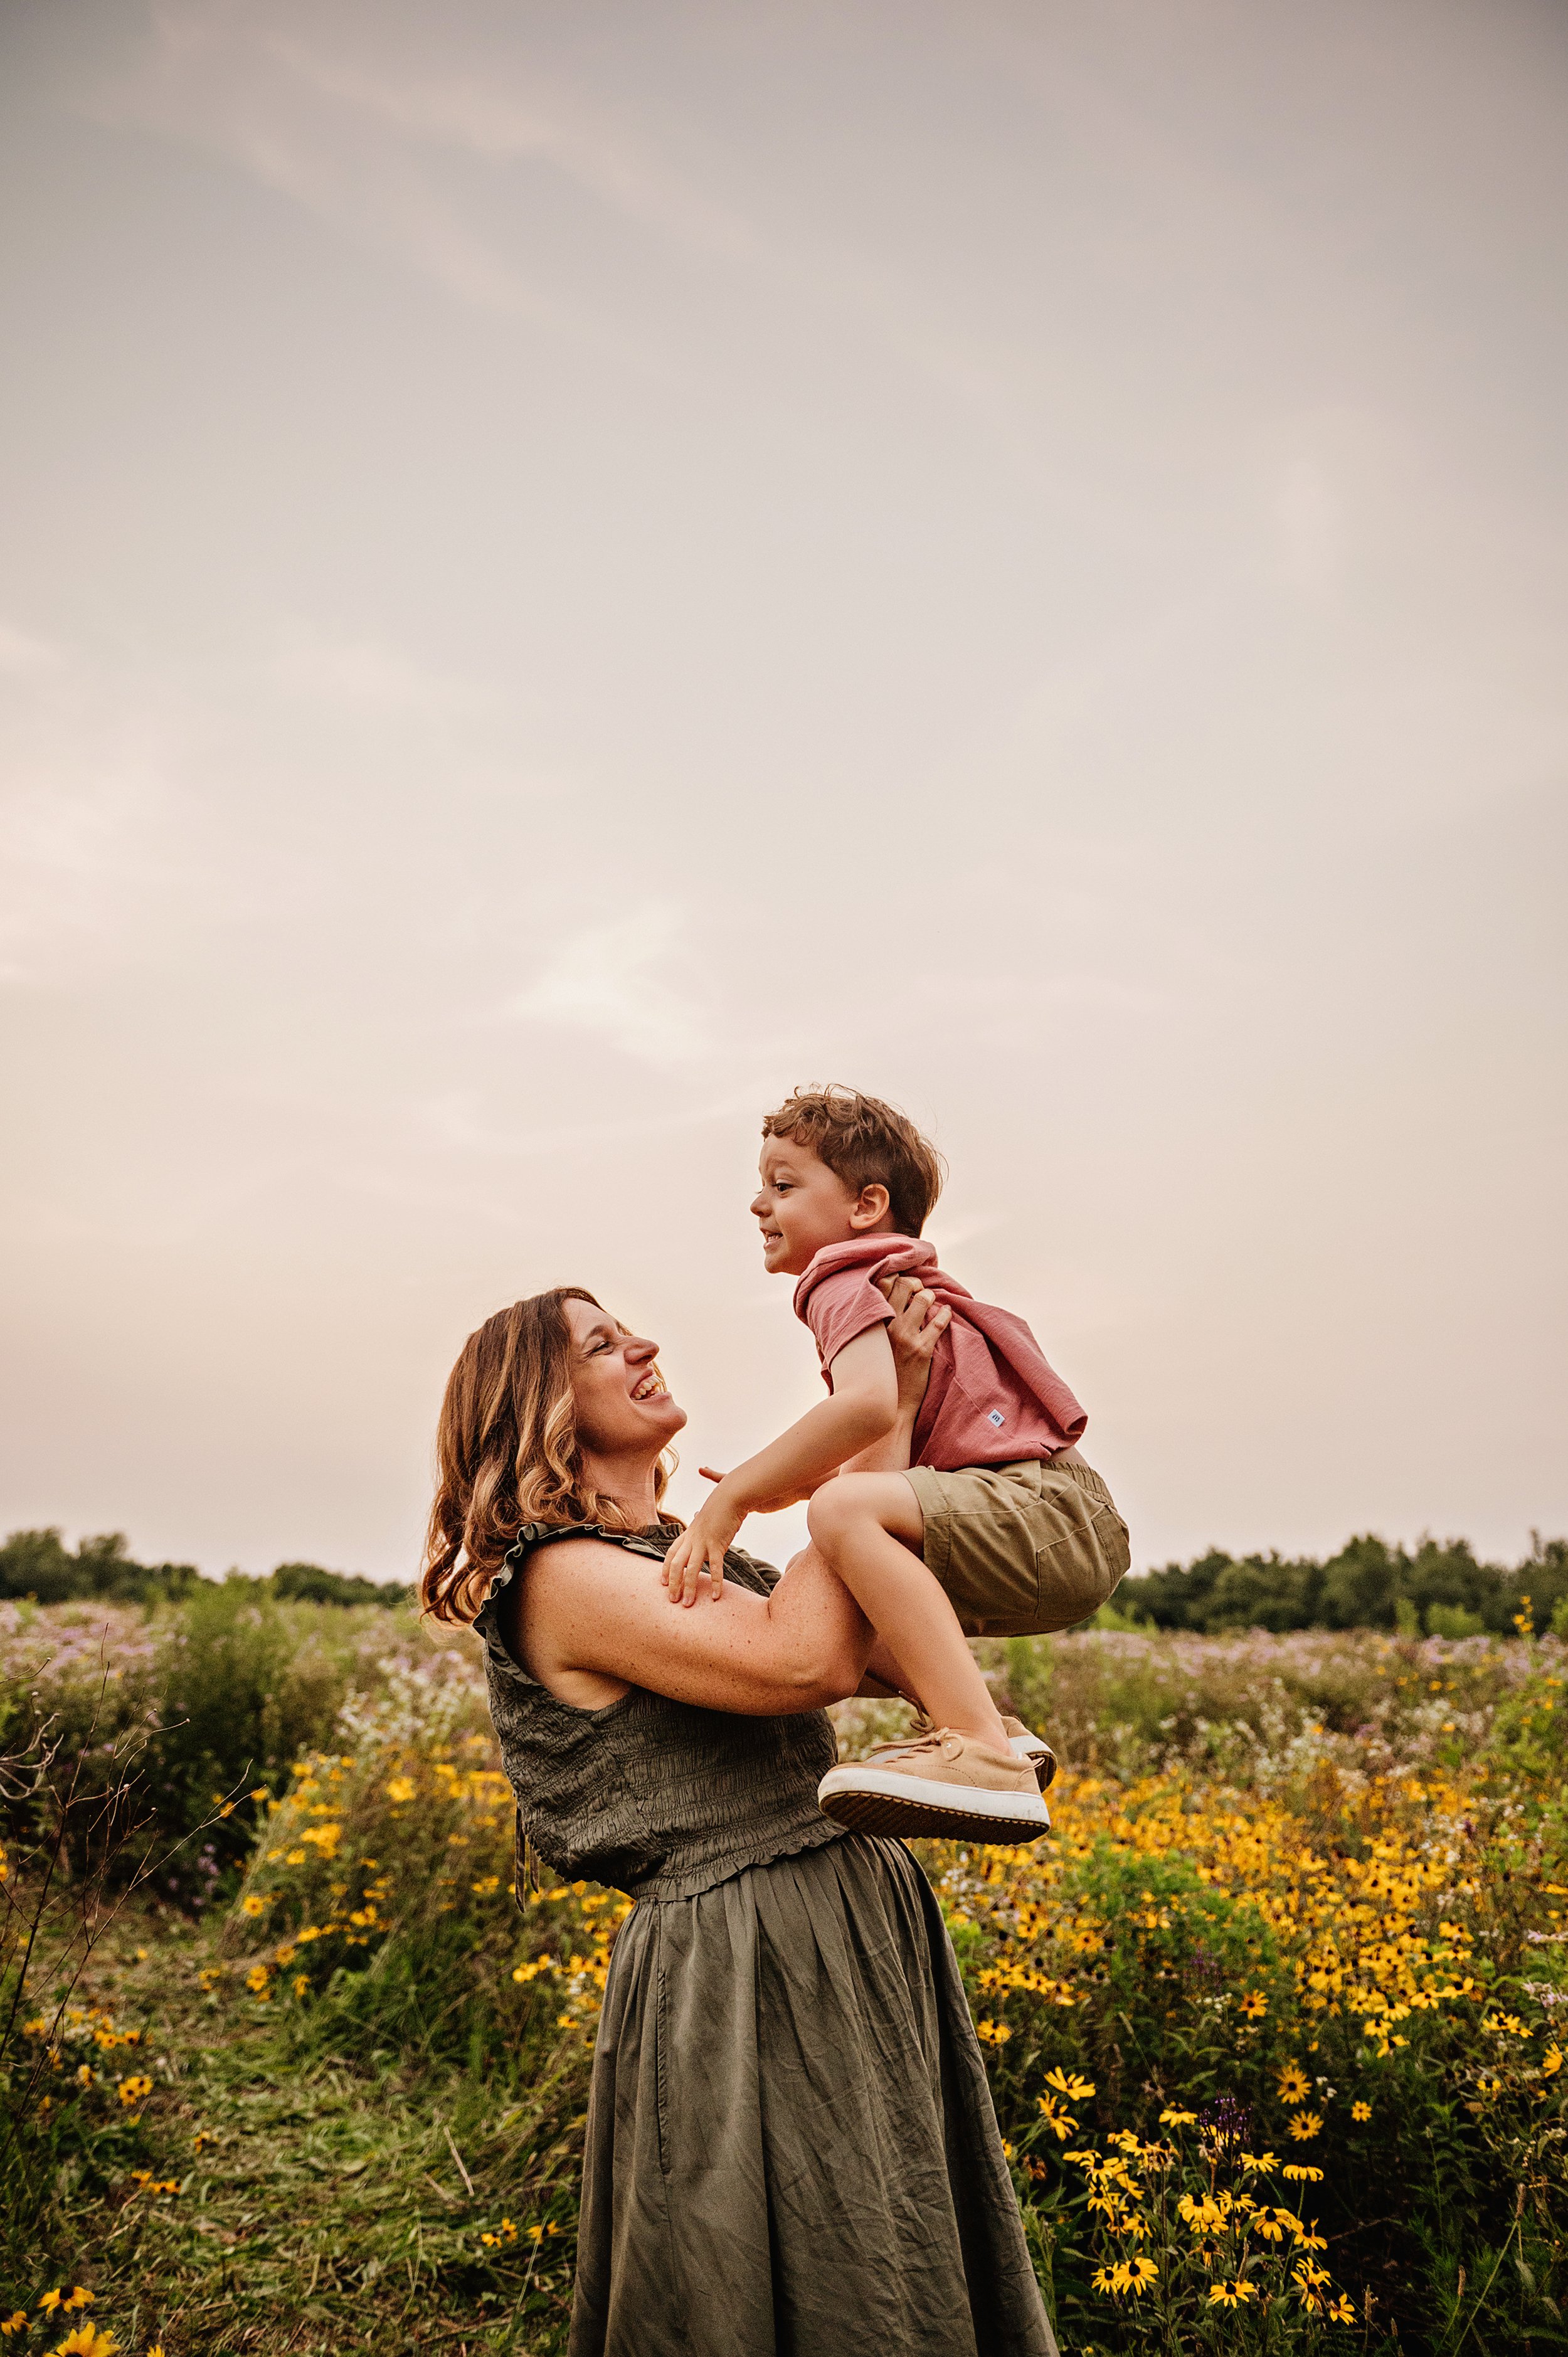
column 659, row 1799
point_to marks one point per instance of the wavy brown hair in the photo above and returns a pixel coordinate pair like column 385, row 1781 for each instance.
column 507, row 1451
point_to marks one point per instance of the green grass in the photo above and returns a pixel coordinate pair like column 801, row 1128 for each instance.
column 337, row 2200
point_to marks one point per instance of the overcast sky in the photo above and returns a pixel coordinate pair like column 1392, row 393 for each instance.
column 564, row 569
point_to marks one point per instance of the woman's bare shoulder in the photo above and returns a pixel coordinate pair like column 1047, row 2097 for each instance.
column 563, row 1558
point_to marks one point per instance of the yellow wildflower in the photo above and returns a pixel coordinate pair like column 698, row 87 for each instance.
column 16, row 2322
column 1254, row 2005
column 1293, row 2084
column 1178, row 2119
column 1231, row 2295
column 132, row 2090
column 1305, row 2126
column 1298, row 2173
column 1360, row 2112
column 1067, row 2083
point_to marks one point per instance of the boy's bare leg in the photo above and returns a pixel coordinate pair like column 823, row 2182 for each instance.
column 868, row 1527
column 885, row 1675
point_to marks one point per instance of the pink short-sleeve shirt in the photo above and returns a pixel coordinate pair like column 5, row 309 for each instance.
column 994, row 1398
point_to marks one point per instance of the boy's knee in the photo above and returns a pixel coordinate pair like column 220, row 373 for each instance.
column 833, row 1510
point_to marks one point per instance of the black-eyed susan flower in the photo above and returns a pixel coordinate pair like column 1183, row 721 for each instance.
column 1254, row 2005
column 86, row 2340
column 1360, row 2114
column 1305, row 2126
column 1293, row 2084
column 1233, row 2294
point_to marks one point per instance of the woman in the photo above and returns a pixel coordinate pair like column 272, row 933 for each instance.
column 791, row 2149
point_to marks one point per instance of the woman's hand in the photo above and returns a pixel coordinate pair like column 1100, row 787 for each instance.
column 914, row 1333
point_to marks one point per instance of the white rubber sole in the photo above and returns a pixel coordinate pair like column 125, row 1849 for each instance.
column 879, row 1800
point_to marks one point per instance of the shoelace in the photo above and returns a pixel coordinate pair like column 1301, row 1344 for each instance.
column 922, row 1737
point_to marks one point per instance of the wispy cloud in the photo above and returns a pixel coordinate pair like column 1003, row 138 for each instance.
column 361, row 675
column 345, row 116
column 611, row 979
column 358, row 115
column 24, row 657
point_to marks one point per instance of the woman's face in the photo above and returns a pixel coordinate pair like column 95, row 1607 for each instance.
column 623, row 1408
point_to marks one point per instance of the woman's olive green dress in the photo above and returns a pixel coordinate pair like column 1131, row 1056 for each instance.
column 791, row 2149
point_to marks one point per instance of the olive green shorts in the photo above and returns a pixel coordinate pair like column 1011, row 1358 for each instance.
column 1021, row 1549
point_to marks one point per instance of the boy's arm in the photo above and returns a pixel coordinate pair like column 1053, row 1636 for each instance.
column 862, row 1411
column 914, row 1334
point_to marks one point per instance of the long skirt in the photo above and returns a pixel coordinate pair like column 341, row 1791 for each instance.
column 791, row 2147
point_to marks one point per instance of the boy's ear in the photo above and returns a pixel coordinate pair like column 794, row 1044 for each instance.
column 870, row 1206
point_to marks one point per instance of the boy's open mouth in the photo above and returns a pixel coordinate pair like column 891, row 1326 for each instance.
column 771, row 1236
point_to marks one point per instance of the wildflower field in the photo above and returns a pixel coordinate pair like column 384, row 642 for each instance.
column 1274, row 2020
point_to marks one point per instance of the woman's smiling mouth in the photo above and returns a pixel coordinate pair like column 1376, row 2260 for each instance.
column 651, row 1384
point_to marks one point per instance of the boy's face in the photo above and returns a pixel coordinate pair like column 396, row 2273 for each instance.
column 801, row 1205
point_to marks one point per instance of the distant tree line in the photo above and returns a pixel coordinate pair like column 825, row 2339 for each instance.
column 100, row 1570
column 1438, row 1590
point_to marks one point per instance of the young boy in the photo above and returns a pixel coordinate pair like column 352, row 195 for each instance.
column 971, row 1515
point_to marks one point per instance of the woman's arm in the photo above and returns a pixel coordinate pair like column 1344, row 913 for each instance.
column 591, row 1612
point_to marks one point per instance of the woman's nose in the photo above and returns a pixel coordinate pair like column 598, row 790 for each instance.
column 639, row 1348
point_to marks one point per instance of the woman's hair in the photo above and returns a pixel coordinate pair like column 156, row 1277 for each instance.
column 506, row 1452
column 865, row 1142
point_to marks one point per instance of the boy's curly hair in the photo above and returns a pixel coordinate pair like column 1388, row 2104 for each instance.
column 865, row 1143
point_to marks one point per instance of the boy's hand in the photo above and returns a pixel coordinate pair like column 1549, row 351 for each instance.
column 700, row 1547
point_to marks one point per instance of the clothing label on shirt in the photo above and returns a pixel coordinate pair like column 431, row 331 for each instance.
column 997, row 1418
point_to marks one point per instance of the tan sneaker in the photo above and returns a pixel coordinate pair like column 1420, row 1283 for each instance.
column 1027, row 1745
column 937, row 1783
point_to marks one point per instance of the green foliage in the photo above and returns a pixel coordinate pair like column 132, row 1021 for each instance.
column 368, row 2068
column 1440, row 1588
column 37, row 1564
column 195, row 1712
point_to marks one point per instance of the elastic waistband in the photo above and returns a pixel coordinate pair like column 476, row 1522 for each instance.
column 1086, row 1477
